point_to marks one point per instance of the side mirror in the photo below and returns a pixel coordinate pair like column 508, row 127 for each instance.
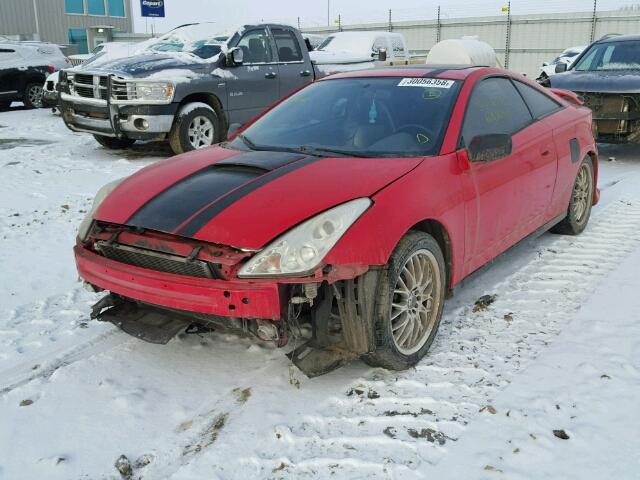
column 486, row 148
column 235, row 57
column 561, row 67
column 545, row 64
column 382, row 55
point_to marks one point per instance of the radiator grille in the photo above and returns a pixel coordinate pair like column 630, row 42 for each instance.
column 155, row 261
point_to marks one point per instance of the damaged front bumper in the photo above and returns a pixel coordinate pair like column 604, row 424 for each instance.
column 616, row 116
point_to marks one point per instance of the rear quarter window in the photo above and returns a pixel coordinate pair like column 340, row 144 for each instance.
column 539, row 103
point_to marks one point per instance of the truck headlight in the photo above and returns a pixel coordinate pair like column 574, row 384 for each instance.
column 303, row 248
column 85, row 226
column 154, row 91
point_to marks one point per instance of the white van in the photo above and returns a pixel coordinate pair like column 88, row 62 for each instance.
column 361, row 50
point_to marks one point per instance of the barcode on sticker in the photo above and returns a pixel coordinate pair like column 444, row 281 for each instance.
column 426, row 82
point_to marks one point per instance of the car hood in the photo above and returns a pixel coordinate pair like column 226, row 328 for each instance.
column 142, row 65
column 617, row 81
column 243, row 199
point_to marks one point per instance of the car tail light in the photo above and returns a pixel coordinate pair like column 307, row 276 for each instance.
column 51, row 68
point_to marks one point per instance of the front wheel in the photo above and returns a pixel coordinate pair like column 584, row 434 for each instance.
column 196, row 126
column 580, row 203
column 113, row 143
column 32, row 97
column 409, row 303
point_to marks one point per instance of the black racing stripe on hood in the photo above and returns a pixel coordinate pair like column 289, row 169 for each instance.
column 206, row 215
column 169, row 209
column 175, row 205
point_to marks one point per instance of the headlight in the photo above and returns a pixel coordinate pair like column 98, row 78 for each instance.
column 153, row 91
column 303, row 248
column 83, row 230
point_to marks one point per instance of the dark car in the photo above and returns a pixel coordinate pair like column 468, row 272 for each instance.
column 607, row 77
column 187, row 87
column 24, row 66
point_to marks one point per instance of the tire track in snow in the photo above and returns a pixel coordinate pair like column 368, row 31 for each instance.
column 391, row 423
column 63, row 319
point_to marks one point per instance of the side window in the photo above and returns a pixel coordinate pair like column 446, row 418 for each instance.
column 495, row 106
column 287, row 45
column 539, row 103
column 380, row 42
column 397, row 46
column 256, row 47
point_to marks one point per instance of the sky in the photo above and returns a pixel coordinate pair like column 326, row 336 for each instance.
column 314, row 13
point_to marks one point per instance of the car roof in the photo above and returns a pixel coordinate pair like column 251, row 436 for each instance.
column 619, row 38
column 453, row 72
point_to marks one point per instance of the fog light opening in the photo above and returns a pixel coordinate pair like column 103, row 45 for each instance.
column 141, row 124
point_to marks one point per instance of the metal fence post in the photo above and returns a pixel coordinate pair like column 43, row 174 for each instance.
column 594, row 19
column 438, row 26
column 339, row 23
column 508, row 40
column 390, row 24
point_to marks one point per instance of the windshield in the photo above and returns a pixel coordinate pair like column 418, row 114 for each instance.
column 611, row 56
column 346, row 42
column 199, row 40
column 370, row 117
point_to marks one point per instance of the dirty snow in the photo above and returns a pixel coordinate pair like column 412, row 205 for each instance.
column 554, row 347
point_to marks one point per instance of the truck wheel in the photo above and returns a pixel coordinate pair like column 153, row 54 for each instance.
column 410, row 298
column 113, row 143
column 196, row 126
column 581, row 202
column 32, row 97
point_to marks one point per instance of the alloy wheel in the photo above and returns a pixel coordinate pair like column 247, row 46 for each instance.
column 415, row 303
column 201, row 132
column 34, row 94
column 582, row 193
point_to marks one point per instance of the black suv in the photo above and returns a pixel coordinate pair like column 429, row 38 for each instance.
column 24, row 67
column 607, row 77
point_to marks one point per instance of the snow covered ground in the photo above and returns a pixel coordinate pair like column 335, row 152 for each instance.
column 558, row 350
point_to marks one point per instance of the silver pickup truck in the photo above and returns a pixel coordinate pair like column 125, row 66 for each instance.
column 188, row 86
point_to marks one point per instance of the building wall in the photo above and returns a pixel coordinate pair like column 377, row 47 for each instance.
column 17, row 17
column 534, row 39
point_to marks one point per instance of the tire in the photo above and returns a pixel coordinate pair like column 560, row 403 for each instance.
column 415, row 251
column 581, row 201
column 113, row 143
column 196, row 126
column 5, row 106
column 32, row 97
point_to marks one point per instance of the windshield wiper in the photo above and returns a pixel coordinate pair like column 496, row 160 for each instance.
column 306, row 149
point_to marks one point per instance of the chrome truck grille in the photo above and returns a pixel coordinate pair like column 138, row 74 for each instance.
column 161, row 262
column 88, row 85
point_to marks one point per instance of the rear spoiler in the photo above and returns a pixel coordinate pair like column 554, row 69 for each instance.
column 568, row 96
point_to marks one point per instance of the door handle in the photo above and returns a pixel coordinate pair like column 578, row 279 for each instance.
column 270, row 75
column 305, row 73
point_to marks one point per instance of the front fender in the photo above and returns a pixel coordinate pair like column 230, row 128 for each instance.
column 433, row 191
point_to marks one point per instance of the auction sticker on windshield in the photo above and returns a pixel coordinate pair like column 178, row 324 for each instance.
column 426, row 82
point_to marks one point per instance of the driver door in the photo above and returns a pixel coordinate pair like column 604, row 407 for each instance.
column 254, row 85
column 495, row 204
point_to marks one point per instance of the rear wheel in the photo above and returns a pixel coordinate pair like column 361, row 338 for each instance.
column 196, row 126
column 113, row 143
column 581, row 201
column 409, row 303
column 32, row 97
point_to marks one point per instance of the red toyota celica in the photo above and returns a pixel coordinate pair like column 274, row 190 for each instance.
column 342, row 216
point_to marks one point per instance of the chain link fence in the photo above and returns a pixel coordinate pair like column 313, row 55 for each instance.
column 524, row 34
